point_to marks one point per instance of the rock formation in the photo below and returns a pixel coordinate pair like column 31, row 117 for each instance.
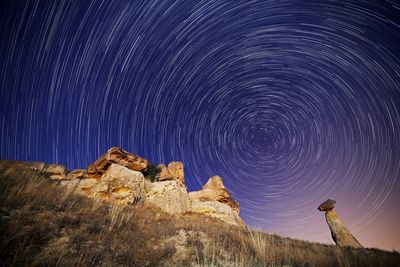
column 174, row 171
column 214, row 190
column 56, row 171
column 77, row 174
column 120, row 184
column 118, row 156
column 124, row 178
column 170, row 196
column 215, row 201
column 340, row 233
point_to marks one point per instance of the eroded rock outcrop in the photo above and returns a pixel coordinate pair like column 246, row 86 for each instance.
column 214, row 190
column 118, row 156
column 118, row 184
column 56, row 171
column 124, row 178
column 171, row 196
column 121, row 185
column 174, row 171
column 215, row 200
column 340, row 233
column 175, row 168
column 77, row 174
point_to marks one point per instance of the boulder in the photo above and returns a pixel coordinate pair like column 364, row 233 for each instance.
column 56, row 171
column 214, row 182
column 340, row 233
column 175, row 168
column 174, row 171
column 118, row 156
column 118, row 184
column 327, row 205
column 214, row 190
column 170, row 196
column 121, row 185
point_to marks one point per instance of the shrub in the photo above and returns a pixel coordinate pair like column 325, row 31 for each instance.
column 152, row 172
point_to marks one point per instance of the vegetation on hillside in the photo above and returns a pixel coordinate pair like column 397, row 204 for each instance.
column 42, row 224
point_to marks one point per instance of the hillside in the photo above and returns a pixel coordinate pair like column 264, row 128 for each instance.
column 43, row 223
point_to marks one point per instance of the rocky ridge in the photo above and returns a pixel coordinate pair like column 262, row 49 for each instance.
column 127, row 179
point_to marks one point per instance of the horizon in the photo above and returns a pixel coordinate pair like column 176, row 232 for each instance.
column 291, row 104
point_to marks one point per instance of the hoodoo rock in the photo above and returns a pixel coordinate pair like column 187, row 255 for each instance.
column 118, row 156
column 215, row 200
column 327, row 205
column 340, row 233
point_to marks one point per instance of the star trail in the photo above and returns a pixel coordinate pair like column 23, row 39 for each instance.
column 291, row 102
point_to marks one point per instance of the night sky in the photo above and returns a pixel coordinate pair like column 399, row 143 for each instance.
column 291, row 102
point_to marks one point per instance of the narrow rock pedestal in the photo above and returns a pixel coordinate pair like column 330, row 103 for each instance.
column 340, row 233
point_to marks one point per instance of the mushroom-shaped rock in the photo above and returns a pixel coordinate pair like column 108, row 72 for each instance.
column 118, row 156
column 327, row 205
column 340, row 233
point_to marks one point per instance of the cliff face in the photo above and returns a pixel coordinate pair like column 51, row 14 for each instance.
column 127, row 179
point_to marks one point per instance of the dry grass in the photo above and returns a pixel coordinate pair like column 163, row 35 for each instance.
column 42, row 224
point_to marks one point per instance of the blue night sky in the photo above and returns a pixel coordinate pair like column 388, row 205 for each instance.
column 291, row 102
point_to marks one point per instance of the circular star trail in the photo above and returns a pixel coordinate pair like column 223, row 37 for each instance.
column 291, row 102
